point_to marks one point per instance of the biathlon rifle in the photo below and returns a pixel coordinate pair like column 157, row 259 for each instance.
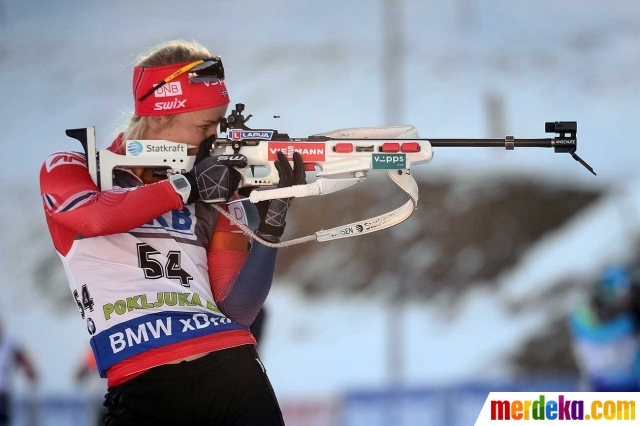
column 340, row 158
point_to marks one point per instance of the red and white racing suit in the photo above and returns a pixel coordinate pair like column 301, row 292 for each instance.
column 145, row 270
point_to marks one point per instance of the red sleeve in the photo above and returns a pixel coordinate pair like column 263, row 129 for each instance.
column 74, row 205
column 227, row 253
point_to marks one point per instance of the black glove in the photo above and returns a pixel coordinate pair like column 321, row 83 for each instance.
column 273, row 212
column 214, row 179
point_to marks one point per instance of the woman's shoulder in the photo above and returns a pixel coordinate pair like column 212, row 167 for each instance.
column 62, row 158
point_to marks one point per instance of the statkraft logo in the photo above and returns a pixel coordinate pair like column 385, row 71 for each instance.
column 238, row 134
column 134, row 148
column 153, row 148
column 310, row 151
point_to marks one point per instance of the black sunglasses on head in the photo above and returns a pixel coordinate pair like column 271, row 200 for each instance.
column 209, row 71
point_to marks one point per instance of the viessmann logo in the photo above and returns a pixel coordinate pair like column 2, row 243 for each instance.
column 308, row 150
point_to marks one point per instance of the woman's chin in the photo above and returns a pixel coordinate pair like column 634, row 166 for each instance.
column 192, row 149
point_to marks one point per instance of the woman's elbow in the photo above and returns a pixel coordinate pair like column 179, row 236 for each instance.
column 243, row 315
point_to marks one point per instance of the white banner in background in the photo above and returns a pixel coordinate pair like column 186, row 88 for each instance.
column 503, row 408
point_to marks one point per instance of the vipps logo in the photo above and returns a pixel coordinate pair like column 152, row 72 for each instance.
column 134, row 148
column 389, row 161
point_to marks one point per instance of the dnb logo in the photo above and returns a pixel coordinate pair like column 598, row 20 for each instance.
column 179, row 223
column 238, row 212
column 134, row 148
column 61, row 158
column 170, row 89
column 239, row 134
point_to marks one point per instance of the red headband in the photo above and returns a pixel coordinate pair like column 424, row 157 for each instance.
column 177, row 96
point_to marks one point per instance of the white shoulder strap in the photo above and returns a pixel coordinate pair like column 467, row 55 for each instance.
column 402, row 178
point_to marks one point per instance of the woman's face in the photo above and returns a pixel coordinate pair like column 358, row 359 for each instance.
column 189, row 128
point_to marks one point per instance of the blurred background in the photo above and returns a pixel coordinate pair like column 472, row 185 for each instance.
column 409, row 326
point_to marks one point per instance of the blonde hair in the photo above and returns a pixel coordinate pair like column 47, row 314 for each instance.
column 169, row 53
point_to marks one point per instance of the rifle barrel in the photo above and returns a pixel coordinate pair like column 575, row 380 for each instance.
column 485, row 143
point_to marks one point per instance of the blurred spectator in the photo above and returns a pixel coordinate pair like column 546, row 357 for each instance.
column 12, row 357
column 87, row 367
column 87, row 374
column 605, row 335
column 635, row 299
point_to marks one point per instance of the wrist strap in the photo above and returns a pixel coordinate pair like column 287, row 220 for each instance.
column 195, row 194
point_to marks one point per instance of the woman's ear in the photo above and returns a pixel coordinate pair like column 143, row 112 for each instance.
column 158, row 122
